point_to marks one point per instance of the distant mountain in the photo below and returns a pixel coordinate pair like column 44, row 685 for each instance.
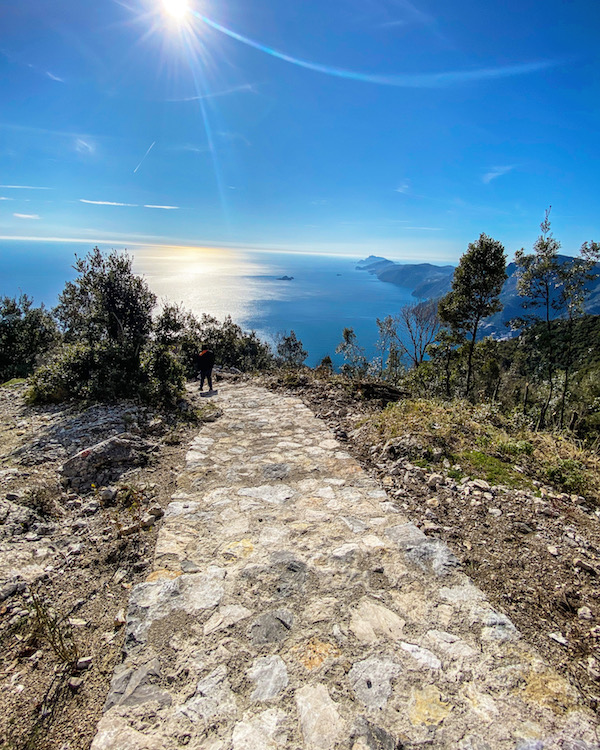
column 424, row 279
column 427, row 281
column 497, row 325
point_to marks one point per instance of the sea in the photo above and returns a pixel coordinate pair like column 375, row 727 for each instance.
column 321, row 295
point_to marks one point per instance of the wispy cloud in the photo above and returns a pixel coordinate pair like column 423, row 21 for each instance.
column 5, row 199
column 425, row 229
column 84, row 147
column 24, row 187
column 412, row 13
column 54, row 78
column 404, row 187
column 166, row 208
column 496, row 172
column 108, row 203
column 391, row 24
column 26, row 216
column 228, row 135
column 244, row 87
column 144, row 156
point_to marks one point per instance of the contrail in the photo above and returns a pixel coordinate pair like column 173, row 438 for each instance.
column 144, row 157
column 407, row 80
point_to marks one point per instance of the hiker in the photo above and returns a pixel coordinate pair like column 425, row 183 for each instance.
column 206, row 360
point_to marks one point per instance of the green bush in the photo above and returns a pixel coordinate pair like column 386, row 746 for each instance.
column 567, row 474
column 26, row 333
column 515, row 448
column 163, row 376
column 113, row 349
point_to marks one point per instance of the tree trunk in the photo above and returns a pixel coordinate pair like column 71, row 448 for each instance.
column 470, row 360
column 567, row 373
column 496, row 389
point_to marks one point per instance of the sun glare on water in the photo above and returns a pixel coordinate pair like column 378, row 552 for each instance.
column 176, row 9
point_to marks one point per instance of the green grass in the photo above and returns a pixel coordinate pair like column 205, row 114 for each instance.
column 495, row 471
column 487, row 445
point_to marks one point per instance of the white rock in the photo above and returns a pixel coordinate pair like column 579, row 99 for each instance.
column 261, row 732
column 276, row 494
column 422, row 655
column 371, row 621
column 270, row 675
column 224, row 617
column 321, row 724
column 371, row 680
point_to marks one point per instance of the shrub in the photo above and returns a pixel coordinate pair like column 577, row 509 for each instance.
column 568, row 474
column 164, row 376
column 26, row 333
column 289, row 348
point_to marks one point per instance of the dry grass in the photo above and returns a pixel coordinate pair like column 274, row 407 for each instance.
column 504, row 449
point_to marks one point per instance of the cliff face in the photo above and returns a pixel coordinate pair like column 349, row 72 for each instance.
column 424, row 279
column 428, row 281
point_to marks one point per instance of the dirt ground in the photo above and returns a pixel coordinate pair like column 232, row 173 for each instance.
column 535, row 555
column 61, row 628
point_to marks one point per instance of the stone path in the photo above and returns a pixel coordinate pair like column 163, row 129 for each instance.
column 292, row 606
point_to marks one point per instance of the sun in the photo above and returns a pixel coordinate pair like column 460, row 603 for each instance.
column 176, row 9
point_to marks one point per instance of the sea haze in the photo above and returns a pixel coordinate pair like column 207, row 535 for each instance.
column 326, row 294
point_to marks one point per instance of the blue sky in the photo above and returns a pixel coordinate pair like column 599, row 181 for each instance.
column 387, row 126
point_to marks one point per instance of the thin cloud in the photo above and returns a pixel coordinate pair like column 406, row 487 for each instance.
column 54, row 78
column 414, row 14
column 165, row 208
column 245, row 87
column 5, row 199
column 496, row 172
column 391, row 24
column 425, row 229
column 231, row 136
column 403, row 188
column 190, row 147
column 23, row 187
column 84, row 147
column 26, row 216
column 108, row 203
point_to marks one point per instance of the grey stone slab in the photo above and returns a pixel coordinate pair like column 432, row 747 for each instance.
column 272, row 627
column 131, row 687
column 371, row 680
column 213, row 698
column 269, row 673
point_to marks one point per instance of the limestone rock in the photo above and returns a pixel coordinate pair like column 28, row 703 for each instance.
column 106, row 461
column 321, row 724
column 261, row 732
column 371, row 680
column 270, row 675
column 371, row 621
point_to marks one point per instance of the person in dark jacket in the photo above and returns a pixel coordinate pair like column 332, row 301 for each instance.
column 206, row 360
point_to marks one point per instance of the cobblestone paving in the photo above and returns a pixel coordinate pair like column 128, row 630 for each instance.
column 292, row 606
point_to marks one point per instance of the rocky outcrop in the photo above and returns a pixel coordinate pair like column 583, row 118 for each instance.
column 104, row 462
